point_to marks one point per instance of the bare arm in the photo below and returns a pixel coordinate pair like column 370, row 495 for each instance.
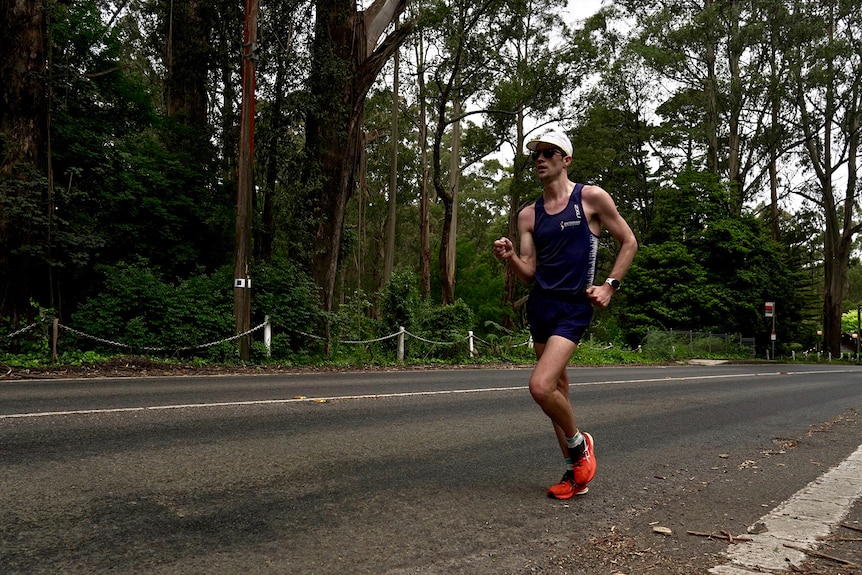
column 601, row 207
column 523, row 264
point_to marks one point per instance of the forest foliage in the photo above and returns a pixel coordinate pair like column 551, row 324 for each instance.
column 727, row 131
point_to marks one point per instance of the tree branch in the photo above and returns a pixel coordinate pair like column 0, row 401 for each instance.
column 378, row 17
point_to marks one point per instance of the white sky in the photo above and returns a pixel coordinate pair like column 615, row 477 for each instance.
column 581, row 9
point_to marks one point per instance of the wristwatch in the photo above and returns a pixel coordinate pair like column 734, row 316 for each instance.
column 614, row 283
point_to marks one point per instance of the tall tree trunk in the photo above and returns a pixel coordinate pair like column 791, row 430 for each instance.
column 265, row 235
column 451, row 254
column 23, row 92
column 774, row 227
column 361, row 234
column 424, row 201
column 711, row 97
column 440, row 188
column 447, row 296
column 229, row 141
column 772, row 143
column 389, row 259
column 348, row 58
column 188, row 60
column 773, row 133
column 837, row 131
column 734, row 164
column 23, row 142
column 834, row 272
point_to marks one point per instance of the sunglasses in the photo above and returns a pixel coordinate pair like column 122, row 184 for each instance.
column 547, row 153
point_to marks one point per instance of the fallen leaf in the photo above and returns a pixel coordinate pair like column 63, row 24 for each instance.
column 758, row 528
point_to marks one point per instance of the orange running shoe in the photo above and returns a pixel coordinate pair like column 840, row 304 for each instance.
column 585, row 467
column 567, row 488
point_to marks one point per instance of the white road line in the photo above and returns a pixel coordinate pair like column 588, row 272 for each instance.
column 253, row 402
column 810, row 514
column 393, row 395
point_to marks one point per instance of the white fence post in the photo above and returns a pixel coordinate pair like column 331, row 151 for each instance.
column 267, row 335
column 470, row 338
column 401, row 343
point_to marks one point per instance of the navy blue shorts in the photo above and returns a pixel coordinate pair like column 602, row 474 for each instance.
column 551, row 314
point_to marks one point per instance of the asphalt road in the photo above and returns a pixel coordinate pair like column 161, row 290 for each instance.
column 420, row 472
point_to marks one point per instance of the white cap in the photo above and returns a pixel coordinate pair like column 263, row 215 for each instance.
column 558, row 139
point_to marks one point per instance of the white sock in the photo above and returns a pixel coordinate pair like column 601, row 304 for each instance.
column 575, row 441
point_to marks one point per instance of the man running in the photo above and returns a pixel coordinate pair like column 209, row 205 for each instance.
column 558, row 245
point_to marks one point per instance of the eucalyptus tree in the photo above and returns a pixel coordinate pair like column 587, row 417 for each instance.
column 827, row 89
column 779, row 135
column 283, row 57
column 540, row 64
column 349, row 49
column 420, row 53
column 370, row 211
column 389, row 257
column 23, row 148
column 512, row 63
column 465, row 36
column 23, row 91
column 713, row 74
column 708, row 56
column 678, row 43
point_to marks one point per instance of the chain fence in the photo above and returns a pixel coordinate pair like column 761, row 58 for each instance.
column 160, row 349
column 671, row 344
column 470, row 340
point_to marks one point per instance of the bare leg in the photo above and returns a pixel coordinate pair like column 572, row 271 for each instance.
column 561, row 436
column 549, row 386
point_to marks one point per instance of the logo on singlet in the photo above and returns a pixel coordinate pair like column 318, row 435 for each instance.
column 564, row 225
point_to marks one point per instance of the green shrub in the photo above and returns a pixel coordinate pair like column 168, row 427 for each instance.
column 447, row 326
column 399, row 302
column 137, row 309
column 290, row 298
column 143, row 312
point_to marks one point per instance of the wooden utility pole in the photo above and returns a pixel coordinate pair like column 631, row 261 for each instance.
column 245, row 187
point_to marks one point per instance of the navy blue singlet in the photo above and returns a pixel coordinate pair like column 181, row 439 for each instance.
column 565, row 249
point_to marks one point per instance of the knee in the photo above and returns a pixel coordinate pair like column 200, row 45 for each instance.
column 541, row 390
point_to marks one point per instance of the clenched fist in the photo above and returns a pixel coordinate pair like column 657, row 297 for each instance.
column 503, row 249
